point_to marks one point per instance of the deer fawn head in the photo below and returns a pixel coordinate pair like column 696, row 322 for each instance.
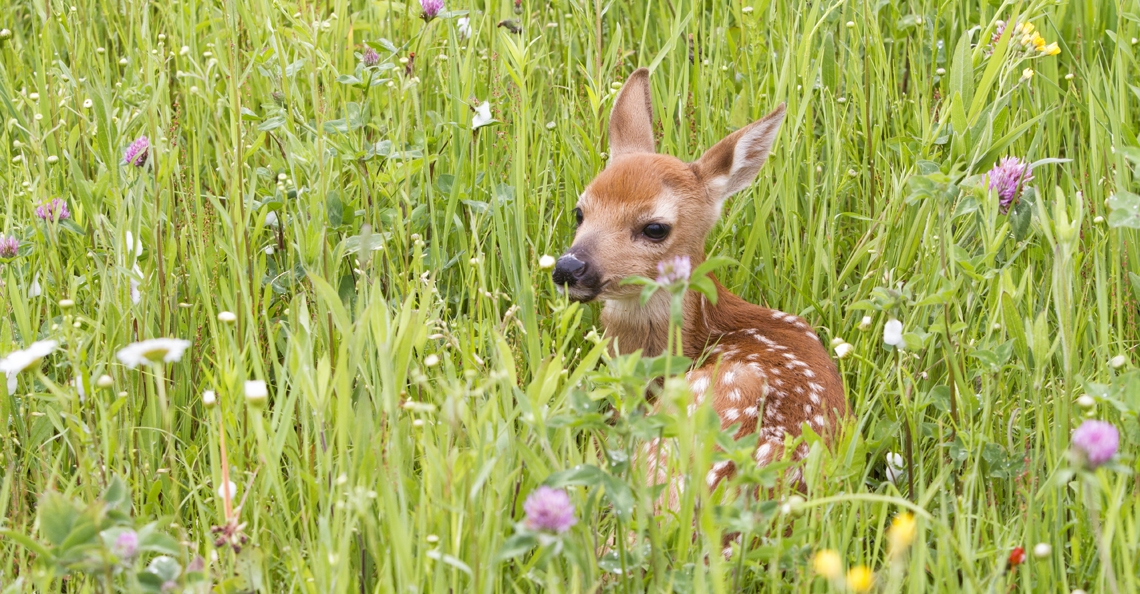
column 645, row 207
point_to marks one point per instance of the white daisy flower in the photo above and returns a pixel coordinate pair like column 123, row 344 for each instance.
column 894, row 466
column 17, row 361
column 152, row 351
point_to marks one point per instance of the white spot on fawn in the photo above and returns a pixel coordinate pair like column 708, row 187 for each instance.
column 819, row 420
column 731, row 414
column 751, row 411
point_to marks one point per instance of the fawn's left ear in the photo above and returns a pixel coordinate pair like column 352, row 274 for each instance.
column 631, row 120
column 731, row 164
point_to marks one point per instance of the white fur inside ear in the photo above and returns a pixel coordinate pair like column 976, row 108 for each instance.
column 749, row 152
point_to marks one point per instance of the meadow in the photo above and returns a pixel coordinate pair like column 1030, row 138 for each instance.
column 337, row 214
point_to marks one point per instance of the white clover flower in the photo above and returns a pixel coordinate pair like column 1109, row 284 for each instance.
column 1042, row 550
column 256, row 392
column 431, row 360
column 482, row 116
column 209, row 398
column 35, row 290
column 227, row 317
column 1118, row 361
column 271, row 219
column 545, row 262
column 893, row 333
column 1085, row 401
column 152, row 351
column 233, row 491
column 463, row 26
column 843, row 350
column 865, row 323
column 894, row 466
column 17, row 361
column 105, row 381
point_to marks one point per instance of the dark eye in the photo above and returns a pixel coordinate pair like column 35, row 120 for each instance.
column 656, row 231
column 578, row 216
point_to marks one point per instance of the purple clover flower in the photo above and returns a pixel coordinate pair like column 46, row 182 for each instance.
column 677, row 269
column 9, row 246
column 137, row 152
column 126, row 545
column 431, row 9
column 1008, row 178
column 369, row 57
column 53, row 211
column 1096, row 442
column 549, row 510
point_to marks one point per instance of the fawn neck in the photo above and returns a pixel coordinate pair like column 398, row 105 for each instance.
column 635, row 326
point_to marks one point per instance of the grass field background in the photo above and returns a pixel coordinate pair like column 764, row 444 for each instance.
column 380, row 257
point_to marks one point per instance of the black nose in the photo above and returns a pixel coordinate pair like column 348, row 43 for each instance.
column 568, row 270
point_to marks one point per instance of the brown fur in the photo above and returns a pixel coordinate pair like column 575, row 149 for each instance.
column 762, row 368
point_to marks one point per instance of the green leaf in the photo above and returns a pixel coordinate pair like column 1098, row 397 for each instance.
column 516, row 546
column 29, row 543
column 117, row 495
column 617, row 492
column 57, row 517
column 1124, row 210
column 962, row 79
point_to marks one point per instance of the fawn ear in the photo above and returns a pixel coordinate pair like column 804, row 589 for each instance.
column 631, row 121
column 731, row 164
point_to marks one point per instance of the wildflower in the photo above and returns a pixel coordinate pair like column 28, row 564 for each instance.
column 549, row 510
column 828, row 564
column 431, row 9
column 545, row 262
column 209, row 398
column 676, row 270
column 134, row 242
column 1027, row 74
column 431, row 360
column 1042, row 550
column 482, row 116
column 17, row 361
column 232, row 490
column 9, row 246
column 860, row 579
column 901, row 534
column 152, row 351
column 126, row 545
column 1051, row 50
column 137, row 152
column 1016, row 557
column 256, row 392
column 227, row 317
column 55, row 210
column 842, row 350
column 865, row 323
column 463, row 26
column 1095, row 442
column 1008, row 178
column 105, row 381
column 894, row 466
column 369, row 57
column 1118, row 361
column 1085, row 401
column 892, row 333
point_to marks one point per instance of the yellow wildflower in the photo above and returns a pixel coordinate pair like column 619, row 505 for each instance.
column 1038, row 41
column 1052, row 49
column 901, row 534
column 828, row 564
column 860, row 579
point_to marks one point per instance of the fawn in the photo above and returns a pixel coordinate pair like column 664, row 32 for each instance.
column 763, row 368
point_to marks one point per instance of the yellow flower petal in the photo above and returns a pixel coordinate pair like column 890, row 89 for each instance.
column 828, row 564
column 901, row 534
column 860, row 579
column 1052, row 49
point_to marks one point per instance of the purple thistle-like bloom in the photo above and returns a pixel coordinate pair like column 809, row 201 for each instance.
column 550, row 510
column 126, row 545
column 369, row 57
column 1096, row 442
column 9, row 246
column 675, row 270
column 431, row 8
column 1008, row 178
column 53, row 211
column 137, row 152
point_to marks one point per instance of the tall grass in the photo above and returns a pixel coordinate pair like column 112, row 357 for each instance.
column 381, row 257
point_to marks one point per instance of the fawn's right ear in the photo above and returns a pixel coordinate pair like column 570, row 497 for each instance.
column 631, row 121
